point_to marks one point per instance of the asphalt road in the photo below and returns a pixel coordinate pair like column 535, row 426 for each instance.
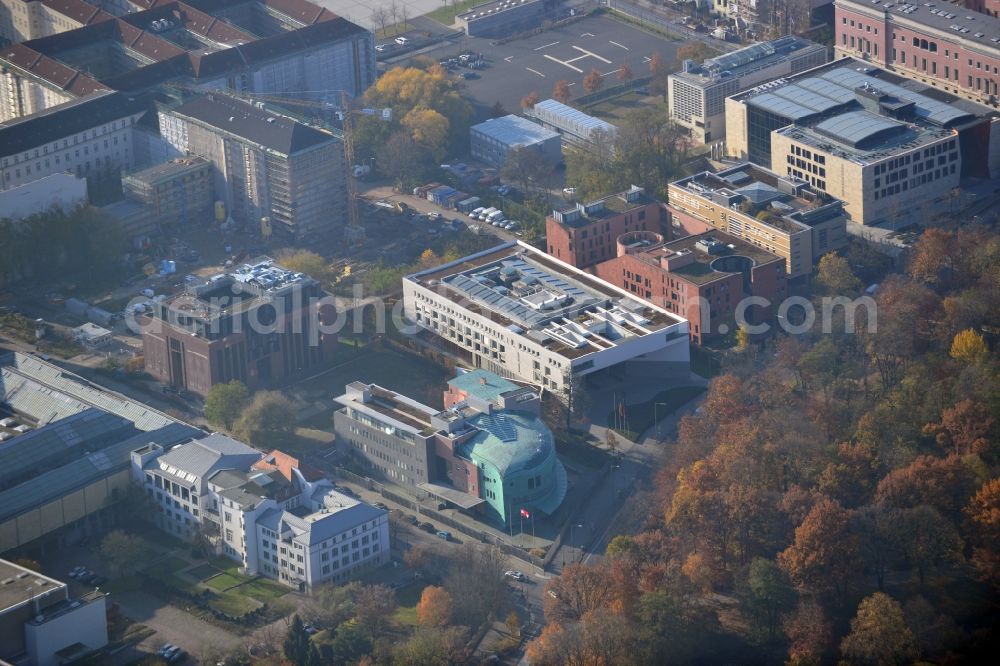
column 534, row 64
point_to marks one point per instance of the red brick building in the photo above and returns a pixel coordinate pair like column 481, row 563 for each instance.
column 703, row 278
column 585, row 235
column 991, row 7
column 943, row 45
column 256, row 324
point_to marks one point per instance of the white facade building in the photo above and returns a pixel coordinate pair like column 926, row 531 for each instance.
column 525, row 315
column 61, row 190
column 90, row 137
column 697, row 93
column 262, row 510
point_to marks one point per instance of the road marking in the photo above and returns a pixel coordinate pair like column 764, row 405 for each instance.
column 646, row 59
column 572, row 84
column 535, row 71
column 587, row 34
column 614, row 71
column 590, row 53
column 508, row 58
column 546, row 46
column 619, row 45
column 562, row 62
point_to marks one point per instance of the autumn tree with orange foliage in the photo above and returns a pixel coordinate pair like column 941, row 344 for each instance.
column 983, row 515
column 530, row 100
column 561, row 91
column 434, row 607
column 824, row 554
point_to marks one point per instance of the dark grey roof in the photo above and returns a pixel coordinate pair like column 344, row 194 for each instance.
column 958, row 22
column 48, row 393
column 61, row 480
column 860, row 128
column 272, row 131
column 38, row 450
column 58, row 122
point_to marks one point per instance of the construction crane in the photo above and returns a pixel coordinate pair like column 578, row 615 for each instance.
column 354, row 232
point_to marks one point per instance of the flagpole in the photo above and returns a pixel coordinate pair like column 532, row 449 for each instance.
column 521, row 533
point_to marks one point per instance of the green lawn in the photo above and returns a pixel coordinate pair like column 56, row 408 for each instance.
column 223, row 581
column 446, row 13
column 409, row 374
column 263, row 589
column 203, row 571
column 641, row 416
column 233, row 603
column 407, row 598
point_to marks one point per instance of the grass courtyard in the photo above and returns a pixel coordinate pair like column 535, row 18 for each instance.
column 407, row 599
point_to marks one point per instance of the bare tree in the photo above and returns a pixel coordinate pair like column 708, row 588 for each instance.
column 404, row 13
column 394, row 13
column 380, row 17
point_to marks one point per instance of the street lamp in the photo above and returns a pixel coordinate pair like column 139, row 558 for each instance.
column 657, row 420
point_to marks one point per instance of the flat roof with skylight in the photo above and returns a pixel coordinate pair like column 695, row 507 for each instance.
column 545, row 301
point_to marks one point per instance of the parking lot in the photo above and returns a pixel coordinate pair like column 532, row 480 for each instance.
column 569, row 52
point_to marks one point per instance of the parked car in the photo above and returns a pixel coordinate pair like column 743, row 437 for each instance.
column 411, row 519
column 75, row 571
column 476, row 212
column 382, row 48
column 402, row 41
column 444, row 534
column 170, row 389
column 427, row 527
column 177, row 657
column 167, row 648
column 469, row 75
column 380, row 505
column 310, row 629
column 516, row 575
column 569, row 191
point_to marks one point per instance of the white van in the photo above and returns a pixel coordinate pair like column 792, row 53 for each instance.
column 486, row 213
column 474, row 214
column 495, row 217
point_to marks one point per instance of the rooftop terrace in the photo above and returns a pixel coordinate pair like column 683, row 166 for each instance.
column 551, row 304
column 789, row 204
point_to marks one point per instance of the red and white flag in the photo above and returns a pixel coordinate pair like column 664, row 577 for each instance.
column 525, row 514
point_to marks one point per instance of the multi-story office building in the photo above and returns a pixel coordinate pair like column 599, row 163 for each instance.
column 887, row 146
column 487, row 451
column 250, row 46
column 266, row 164
column 21, row 20
column 60, row 479
column 703, row 278
column 525, row 315
column 277, row 518
column 177, row 192
column 779, row 214
column 575, row 126
column 41, row 624
column 942, row 45
column 585, row 234
column 257, row 323
column 91, row 137
column 493, row 139
column 697, row 93
column 990, row 7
